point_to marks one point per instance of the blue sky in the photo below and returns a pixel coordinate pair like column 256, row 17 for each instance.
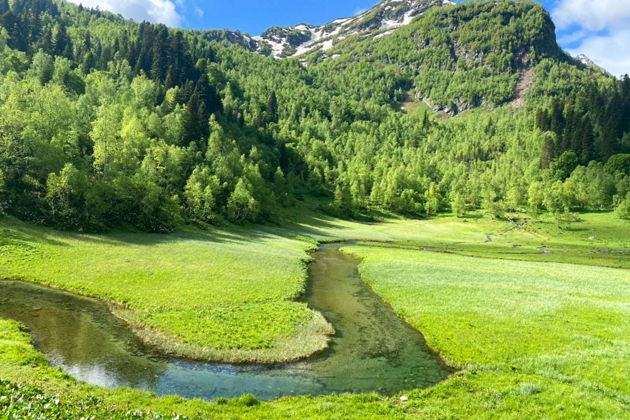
column 598, row 28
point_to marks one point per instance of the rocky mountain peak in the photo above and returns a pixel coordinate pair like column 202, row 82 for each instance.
column 380, row 20
column 584, row 59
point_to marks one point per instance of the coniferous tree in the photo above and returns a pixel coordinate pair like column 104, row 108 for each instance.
column 272, row 107
column 61, row 44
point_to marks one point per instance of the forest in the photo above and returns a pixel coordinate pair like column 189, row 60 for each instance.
column 106, row 122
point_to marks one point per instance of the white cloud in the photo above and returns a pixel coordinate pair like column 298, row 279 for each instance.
column 602, row 29
column 157, row 11
column 593, row 15
column 611, row 52
column 199, row 11
column 572, row 37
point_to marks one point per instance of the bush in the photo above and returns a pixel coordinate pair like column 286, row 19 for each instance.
column 248, row 400
column 623, row 208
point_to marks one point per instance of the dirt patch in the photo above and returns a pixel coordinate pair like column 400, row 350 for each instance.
column 525, row 83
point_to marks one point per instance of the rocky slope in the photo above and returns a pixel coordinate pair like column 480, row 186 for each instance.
column 293, row 41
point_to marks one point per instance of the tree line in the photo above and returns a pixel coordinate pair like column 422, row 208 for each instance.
column 107, row 122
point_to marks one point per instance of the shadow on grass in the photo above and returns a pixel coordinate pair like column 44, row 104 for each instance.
column 231, row 234
column 309, row 225
column 17, row 233
column 472, row 216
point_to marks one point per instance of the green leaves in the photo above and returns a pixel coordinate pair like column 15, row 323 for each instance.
column 28, row 402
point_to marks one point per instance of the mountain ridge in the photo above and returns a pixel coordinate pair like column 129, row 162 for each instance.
column 379, row 20
column 588, row 62
column 302, row 39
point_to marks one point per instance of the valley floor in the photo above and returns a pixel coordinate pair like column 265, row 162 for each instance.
column 534, row 313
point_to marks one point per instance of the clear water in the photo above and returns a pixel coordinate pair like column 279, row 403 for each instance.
column 373, row 349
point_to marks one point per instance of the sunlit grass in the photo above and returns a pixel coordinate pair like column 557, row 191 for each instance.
column 596, row 239
column 564, row 324
column 533, row 316
column 182, row 286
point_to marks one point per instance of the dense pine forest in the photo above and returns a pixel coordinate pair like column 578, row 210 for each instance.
column 107, row 122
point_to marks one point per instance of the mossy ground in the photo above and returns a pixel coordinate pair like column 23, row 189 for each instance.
column 537, row 334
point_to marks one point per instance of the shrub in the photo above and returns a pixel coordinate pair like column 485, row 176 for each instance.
column 623, row 208
column 248, row 400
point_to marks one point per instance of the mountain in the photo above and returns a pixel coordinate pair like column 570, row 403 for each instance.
column 584, row 59
column 437, row 53
column 410, row 107
column 299, row 40
column 460, row 57
column 380, row 20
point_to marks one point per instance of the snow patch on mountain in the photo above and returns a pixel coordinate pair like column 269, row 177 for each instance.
column 379, row 21
column 584, row 59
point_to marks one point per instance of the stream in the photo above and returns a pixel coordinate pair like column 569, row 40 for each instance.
column 373, row 350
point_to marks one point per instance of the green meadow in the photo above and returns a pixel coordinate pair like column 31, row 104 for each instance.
column 592, row 238
column 219, row 295
column 564, row 326
column 533, row 314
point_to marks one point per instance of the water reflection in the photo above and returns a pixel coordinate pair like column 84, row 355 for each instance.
column 81, row 336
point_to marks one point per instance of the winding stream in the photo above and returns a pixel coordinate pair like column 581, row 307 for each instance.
column 373, row 349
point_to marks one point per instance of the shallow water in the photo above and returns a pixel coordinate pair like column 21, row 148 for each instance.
column 373, row 349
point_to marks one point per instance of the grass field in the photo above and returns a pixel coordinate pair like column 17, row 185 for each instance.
column 566, row 326
column 222, row 295
column 536, row 316
column 596, row 239
column 413, row 106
